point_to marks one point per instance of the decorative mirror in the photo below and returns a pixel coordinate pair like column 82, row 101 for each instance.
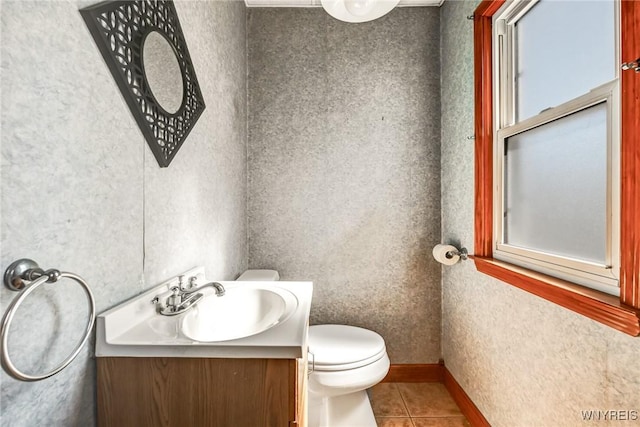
column 142, row 43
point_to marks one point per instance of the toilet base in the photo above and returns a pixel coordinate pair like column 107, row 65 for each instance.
column 347, row 410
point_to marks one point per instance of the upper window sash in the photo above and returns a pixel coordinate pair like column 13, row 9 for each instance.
column 506, row 59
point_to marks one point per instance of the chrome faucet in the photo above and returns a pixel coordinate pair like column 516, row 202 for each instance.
column 217, row 286
column 182, row 299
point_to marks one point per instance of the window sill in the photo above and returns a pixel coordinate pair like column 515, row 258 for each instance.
column 593, row 304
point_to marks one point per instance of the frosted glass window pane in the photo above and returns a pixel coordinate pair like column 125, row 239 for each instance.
column 556, row 187
column 565, row 48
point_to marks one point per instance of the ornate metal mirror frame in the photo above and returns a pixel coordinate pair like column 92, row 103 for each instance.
column 119, row 29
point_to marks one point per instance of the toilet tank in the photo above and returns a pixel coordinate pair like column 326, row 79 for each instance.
column 259, row 275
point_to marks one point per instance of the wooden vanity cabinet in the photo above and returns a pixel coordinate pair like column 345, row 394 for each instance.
column 199, row 392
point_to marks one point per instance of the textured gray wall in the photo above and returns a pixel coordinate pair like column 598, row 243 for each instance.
column 344, row 167
column 522, row 360
column 82, row 192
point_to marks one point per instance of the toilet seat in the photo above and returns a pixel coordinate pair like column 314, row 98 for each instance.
column 341, row 347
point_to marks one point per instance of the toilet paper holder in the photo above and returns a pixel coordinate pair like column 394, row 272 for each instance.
column 462, row 253
column 449, row 254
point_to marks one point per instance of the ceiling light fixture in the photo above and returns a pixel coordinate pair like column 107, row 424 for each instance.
column 358, row 10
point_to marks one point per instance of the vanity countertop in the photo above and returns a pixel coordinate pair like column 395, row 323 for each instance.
column 135, row 329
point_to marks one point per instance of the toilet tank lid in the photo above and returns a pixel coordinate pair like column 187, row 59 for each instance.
column 338, row 345
column 259, row 275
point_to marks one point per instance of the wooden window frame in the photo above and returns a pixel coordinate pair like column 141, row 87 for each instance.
column 621, row 313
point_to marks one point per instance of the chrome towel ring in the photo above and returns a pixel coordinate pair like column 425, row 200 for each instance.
column 24, row 275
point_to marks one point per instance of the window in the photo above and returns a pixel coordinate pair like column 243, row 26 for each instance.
column 557, row 132
column 556, row 141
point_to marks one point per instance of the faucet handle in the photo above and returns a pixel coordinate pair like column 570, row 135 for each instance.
column 175, row 298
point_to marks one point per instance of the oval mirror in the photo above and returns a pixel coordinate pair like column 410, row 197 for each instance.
column 163, row 72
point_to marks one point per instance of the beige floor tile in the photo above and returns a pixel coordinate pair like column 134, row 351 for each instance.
column 441, row 422
column 394, row 422
column 428, row 400
column 386, row 401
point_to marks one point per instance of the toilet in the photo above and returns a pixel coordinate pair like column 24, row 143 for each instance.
column 344, row 361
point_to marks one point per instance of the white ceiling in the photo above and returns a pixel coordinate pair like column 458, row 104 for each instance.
column 316, row 3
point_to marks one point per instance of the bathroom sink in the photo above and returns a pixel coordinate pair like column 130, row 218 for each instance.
column 253, row 319
column 241, row 312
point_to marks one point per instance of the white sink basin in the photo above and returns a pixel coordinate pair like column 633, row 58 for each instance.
column 239, row 313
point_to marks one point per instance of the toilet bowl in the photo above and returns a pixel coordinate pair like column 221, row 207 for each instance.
column 344, row 361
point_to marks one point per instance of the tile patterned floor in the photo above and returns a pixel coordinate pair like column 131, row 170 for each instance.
column 415, row 405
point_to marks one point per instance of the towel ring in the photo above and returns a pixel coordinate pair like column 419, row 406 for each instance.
column 15, row 276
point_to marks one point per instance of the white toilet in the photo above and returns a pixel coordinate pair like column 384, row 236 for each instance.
column 344, row 361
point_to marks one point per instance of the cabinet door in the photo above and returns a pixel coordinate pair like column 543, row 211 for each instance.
column 140, row 392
